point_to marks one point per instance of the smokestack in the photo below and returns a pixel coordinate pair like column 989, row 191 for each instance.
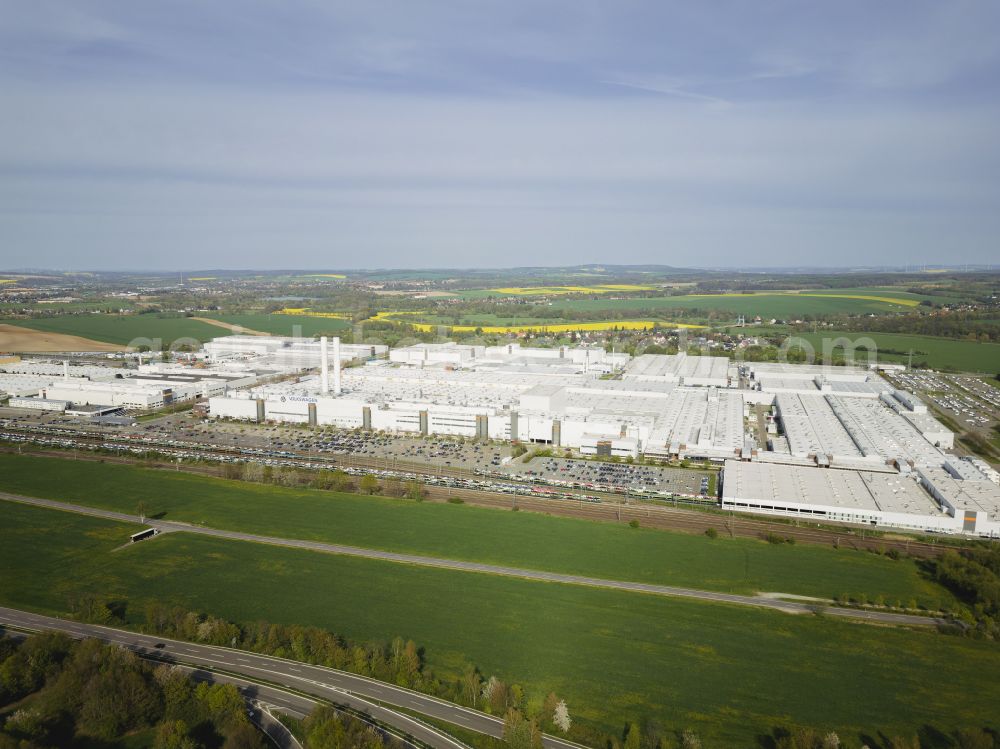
column 336, row 365
column 324, row 365
column 66, row 369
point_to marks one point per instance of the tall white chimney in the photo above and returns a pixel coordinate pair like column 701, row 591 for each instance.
column 336, row 365
column 66, row 369
column 324, row 365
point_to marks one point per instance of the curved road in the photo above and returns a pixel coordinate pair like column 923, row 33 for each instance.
column 789, row 607
column 359, row 692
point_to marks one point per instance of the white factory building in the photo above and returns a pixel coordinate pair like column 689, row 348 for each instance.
column 941, row 499
column 54, row 385
column 842, row 444
column 33, row 403
column 510, row 392
column 852, row 450
column 565, row 359
column 282, row 352
column 682, row 369
column 126, row 394
column 842, row 430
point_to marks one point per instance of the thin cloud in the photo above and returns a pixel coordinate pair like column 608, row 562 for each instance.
column 458, row 133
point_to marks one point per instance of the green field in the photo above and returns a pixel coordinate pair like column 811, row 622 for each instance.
column 476, row 318
column 284, row 324
column 954, row 294
column 937, row 353
column 781, row 306
column 731, row 673
column 64, row 307
column 126, row 329
column 478, row 534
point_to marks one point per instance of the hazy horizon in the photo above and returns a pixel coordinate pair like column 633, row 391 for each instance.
column 448, row 135
column 790, row 269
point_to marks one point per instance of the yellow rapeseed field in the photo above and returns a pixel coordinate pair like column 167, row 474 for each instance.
column 557, row 327
column 865, row 297
column 305, row 311
column 552, row 290
column 425, row 327
column 389, row 315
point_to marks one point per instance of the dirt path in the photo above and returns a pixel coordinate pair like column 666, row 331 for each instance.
column 421, row 560
column 659, row 517
column 230, row 327
column 25, row 340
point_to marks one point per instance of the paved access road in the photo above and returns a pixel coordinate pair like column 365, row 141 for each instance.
column 790, row 607
column 344, row 688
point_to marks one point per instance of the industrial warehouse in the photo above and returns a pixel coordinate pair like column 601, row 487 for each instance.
column 838, row 444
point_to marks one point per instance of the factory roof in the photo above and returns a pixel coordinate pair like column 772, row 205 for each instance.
column 812, row 428
column 974, row 494
column 677, row 366
column 826, row 488
column 879, row 430
column 761, row 369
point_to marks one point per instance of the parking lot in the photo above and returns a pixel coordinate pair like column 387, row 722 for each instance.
column 433, row 451
column 968, row 402
column 440, row 452
column 182, row 432
column 588, row 474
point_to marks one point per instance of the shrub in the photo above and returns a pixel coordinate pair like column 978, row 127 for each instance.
column 456, row 500
column 633, row 523
column 774, row 538
column 712, row 533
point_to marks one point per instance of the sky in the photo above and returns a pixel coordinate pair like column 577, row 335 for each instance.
column 481, row 133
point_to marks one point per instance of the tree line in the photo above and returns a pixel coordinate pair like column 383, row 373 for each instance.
column 336, row 480
column 326, row 728
column 959, row 325
column 59, row 692
column 526, row 716
column 974, row 576
column 399, row 661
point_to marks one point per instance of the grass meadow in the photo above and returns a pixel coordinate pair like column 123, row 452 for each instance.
column 768, row 306
column 125, row 329
column 477, row 534
column 730, row 673
column 278, row 324
column 934, row 352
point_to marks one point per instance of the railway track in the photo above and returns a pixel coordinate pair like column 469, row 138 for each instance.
column 601, row 506
column 693, row 521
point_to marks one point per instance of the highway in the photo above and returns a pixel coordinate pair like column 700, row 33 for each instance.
column 358, row 692
column 260, row 698
column 785, row 606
